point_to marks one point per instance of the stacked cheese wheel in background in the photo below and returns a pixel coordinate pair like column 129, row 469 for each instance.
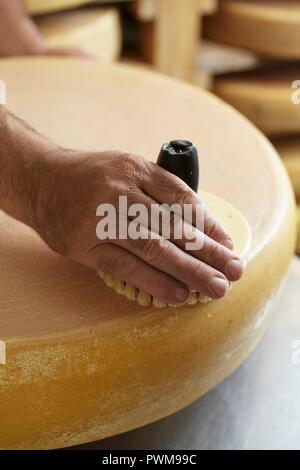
column 75, row 24
column 269, row 94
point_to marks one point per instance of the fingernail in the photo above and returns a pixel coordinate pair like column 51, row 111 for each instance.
column 182, row 294
column 219, row 286
column 235, row 269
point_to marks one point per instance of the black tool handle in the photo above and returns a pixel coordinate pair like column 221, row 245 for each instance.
column 180, row 157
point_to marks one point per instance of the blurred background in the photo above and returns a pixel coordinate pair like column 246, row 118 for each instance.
column 245, row 51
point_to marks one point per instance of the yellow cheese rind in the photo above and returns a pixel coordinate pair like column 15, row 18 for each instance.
column 264, row 96
column 267, row 27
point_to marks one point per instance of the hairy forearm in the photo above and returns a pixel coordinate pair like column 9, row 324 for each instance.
column 24, row 168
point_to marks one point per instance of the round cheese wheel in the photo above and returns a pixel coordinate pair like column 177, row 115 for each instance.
column 83, row 363
column 265, row 96
column 96, row 31
column 268, row 27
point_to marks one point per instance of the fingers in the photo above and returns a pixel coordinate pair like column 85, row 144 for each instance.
column 214, row 229
column 209, row 251
column 167, row 188
column 213, row 253
column 164, row 256
column 221, row 258
column 127, row 267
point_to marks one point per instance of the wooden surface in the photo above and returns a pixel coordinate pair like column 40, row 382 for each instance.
column 147, row 10
column 256, row 408
column 264, row 96
column 83, row 363
column 96, row 31
column 268, row 27
column 171, row 41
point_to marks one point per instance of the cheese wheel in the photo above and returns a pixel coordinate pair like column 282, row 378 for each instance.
column 96, row 31
column 289, row 150
column 217, row 59
column 268, row 27
column 265, row 96
column 83, row 363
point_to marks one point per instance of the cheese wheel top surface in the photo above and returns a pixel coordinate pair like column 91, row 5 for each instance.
column 92, row 107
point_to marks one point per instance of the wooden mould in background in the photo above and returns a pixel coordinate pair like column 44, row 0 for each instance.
column 268, row 27
column 96, row 31
column 147, row 10
column 82, row 362
column 170, row 35
column 264, row 96
column 170, row 41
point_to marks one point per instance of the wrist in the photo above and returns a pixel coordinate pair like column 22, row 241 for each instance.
column 26, row 163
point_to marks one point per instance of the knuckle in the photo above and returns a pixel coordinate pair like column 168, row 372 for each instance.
column 127, row 159
column 214, row 252
column 134, row 166
column 109, row 186
column 155, row 251
column 152, row 251
column 197, row 274
column 212, row 228
column 141, row 164
column 138, row 244
column 183, row 195
column 161, row 251
column 166, row 184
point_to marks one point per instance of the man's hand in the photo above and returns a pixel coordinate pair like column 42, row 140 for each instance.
column 57, row 192
column 19, row 35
